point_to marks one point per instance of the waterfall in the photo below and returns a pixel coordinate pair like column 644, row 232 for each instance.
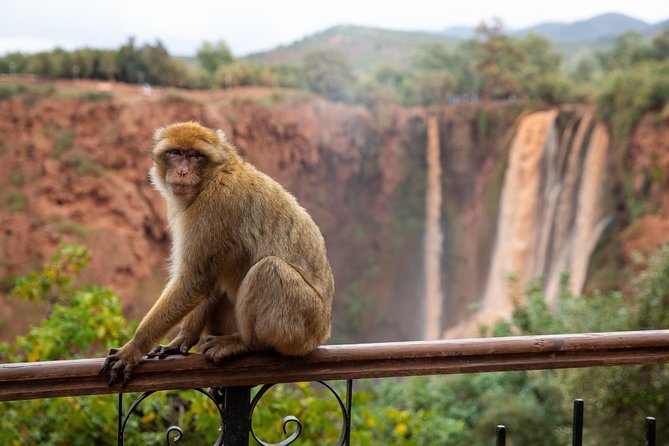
column 433, row 235
column 550, row 215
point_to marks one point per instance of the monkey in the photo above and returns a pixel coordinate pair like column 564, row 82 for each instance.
column 248, row 265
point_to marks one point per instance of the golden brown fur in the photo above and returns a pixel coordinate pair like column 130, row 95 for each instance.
column 249, row 266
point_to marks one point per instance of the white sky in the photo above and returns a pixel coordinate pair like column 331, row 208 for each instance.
column 254, row 25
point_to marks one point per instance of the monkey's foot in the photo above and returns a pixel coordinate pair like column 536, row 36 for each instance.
column 219, row 348
column 163, row 351
column 179, row 346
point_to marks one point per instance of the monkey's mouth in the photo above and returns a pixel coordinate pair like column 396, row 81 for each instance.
column 182, row 188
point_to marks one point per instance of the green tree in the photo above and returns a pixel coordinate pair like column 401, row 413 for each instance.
column 156, row 64
column 243, row 73
column 660, row 44
column 288, row 74
column 328, row 73
column 84, row 62
column 433, row 56
column 435, row 86
column 128, row 62
column 627, row 94
column 213, row 55
column 628, row 49
column 78, row 318
column 622, row 396
column 386, row 84
column 540, row 74
column 498, row 61
column 107, row 65
column 14, row 63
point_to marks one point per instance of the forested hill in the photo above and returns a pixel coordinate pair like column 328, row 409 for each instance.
column 365, row 47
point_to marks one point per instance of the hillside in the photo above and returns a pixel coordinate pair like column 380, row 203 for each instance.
column 365, row 47
column 603, row 27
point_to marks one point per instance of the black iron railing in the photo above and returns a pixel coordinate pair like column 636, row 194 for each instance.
column 228, row 387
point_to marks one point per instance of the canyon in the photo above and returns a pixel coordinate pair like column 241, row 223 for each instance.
column 426, row 212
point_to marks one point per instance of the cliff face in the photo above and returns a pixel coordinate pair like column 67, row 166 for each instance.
column 496, row 193
column 75, row 169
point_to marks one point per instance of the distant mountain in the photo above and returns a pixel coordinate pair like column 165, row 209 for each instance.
column 596, row 30
column 364, row 47
column 654, row 29
column 601, row 27
column 459, row 32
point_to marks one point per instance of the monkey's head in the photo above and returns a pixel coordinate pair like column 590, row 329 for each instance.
column 185, row 156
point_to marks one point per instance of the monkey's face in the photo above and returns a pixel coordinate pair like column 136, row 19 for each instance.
column 185, row 157
column 184, row 170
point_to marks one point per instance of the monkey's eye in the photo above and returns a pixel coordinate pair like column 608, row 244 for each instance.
column 173, row 152
column 196, row 154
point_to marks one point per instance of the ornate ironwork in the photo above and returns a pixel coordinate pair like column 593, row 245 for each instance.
column 174, row 434
column 231, row 409
column 344, row 436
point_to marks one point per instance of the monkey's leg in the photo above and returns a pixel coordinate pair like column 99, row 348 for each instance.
column 219, row 348
column 276, row 309
column 192, row 327
column 221, row 318
column 223, row 340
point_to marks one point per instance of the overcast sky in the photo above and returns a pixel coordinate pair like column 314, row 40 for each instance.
column 253, row 25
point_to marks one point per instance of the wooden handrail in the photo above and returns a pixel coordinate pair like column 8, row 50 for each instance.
column 331, row 362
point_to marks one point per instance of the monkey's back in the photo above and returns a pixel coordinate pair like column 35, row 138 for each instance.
column 259, row 218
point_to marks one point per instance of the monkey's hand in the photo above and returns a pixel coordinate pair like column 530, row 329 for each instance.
column 179, row 346
column 120, row 363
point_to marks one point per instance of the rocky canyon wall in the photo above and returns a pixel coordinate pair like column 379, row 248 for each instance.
column 74, row 169
column 425, row 212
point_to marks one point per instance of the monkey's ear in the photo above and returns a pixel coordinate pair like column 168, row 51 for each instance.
column 159, row 134
column 222, row 137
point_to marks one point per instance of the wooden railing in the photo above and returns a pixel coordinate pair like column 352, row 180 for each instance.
column 80, row 377
column 342, row 362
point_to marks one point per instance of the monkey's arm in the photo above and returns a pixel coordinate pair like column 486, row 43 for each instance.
column 179, row 298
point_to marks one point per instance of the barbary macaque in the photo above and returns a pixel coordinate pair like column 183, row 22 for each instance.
column 249, row 270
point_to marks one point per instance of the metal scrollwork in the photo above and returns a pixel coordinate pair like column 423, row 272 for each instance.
column 174, row 434
column 177, row 438
column 345, row 412
column 232, row 410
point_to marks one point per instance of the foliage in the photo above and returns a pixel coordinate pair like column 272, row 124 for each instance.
column 25, row 91
column 242, row 73
column 328, row 73
column 213, row 55
column 288, row 74
column 623, row 396
column 627, row 94
column 384, row 85
column 77, row 318
column 446, row 410
column 498, row 61
column 130, row 63
column 492, row 65
column 528, row 403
